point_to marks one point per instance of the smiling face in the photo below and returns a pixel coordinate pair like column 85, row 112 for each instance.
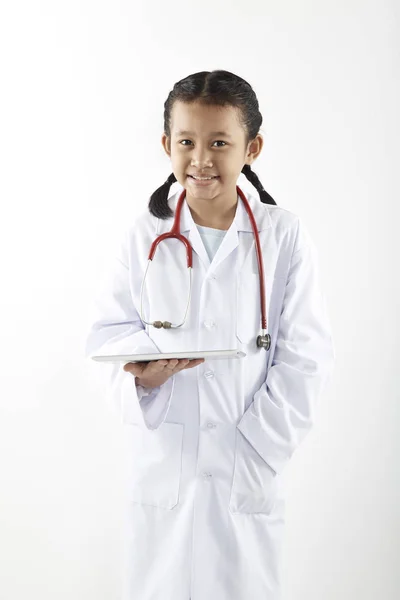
column 208, row 141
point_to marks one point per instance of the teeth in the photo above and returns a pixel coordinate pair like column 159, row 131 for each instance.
column 202, row 178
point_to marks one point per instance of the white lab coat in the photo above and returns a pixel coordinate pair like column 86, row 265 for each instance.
column 206, row 451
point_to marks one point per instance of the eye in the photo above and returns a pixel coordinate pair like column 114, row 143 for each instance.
column 217, row 141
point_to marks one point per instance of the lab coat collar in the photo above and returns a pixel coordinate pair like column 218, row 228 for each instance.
column 241, row 221
column 230, row 241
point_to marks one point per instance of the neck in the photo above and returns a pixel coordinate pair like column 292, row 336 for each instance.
column 215, row 213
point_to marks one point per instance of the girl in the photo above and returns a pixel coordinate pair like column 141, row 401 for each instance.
column 207, row 442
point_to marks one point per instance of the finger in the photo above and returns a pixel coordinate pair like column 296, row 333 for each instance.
column 172, row 363
column 179, row 366
column 176, row 365
column 160, row 364
column 197, row 362
column 134, row 368
column 183, row 363
column 193, row 363
column 156, row 366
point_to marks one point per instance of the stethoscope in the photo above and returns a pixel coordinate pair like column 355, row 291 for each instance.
column 263, row 340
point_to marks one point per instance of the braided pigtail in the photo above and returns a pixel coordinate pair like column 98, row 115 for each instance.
column 158, row 204
column 253, row 178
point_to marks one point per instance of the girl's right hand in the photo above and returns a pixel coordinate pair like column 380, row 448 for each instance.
column 156, row 372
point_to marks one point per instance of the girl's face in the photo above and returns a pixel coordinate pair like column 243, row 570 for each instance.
column 208, row 141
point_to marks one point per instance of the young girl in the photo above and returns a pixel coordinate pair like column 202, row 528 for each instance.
column 208, row 441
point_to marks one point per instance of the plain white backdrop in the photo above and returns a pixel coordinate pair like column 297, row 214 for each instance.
column 83, row 91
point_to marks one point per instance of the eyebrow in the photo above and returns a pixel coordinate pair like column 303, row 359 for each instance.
column 184, row 132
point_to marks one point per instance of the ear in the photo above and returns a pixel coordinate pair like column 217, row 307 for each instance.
column 166, row 144
column 254, row 149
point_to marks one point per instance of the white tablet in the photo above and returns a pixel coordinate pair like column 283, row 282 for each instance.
column 132, row 358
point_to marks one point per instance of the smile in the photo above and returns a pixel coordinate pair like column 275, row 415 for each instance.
column 202, row 180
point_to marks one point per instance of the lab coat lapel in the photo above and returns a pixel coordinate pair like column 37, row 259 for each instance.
column 230, row 242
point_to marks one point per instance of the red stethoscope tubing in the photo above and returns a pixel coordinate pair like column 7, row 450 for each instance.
column 174, row 233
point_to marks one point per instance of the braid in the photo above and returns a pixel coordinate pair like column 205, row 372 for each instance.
column 253, row 178
column 158, row 204
column 171, row 179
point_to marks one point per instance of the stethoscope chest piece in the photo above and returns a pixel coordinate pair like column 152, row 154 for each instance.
column 264, row 341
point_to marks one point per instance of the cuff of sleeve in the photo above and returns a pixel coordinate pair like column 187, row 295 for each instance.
column 150, row 411
column 143, row 392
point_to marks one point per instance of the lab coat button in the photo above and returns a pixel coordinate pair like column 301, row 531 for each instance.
column 209, row 374
column 207, row 476
column 211, row 425
column 209, row 324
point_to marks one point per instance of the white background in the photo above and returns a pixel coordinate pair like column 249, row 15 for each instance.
column 83, row 91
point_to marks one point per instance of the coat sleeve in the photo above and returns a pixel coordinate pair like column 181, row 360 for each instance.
column 283, row 409
column 115, row 328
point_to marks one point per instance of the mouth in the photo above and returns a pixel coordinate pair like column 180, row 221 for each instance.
column 203, row 181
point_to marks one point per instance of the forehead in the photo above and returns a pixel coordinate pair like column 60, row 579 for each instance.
column 199, row 119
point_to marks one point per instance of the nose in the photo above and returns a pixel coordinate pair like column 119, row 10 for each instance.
column 202, row 159
column 201, row 165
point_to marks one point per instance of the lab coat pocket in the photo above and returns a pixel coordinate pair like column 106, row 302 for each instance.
column 155, row 464
column 254, row 484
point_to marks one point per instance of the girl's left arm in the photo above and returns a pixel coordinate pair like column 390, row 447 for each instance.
column 283, row 409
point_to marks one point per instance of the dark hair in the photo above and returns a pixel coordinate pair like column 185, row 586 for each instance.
column 220, row 88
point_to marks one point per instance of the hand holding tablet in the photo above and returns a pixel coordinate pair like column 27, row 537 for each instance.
column 156, row 372
column 152, row 370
